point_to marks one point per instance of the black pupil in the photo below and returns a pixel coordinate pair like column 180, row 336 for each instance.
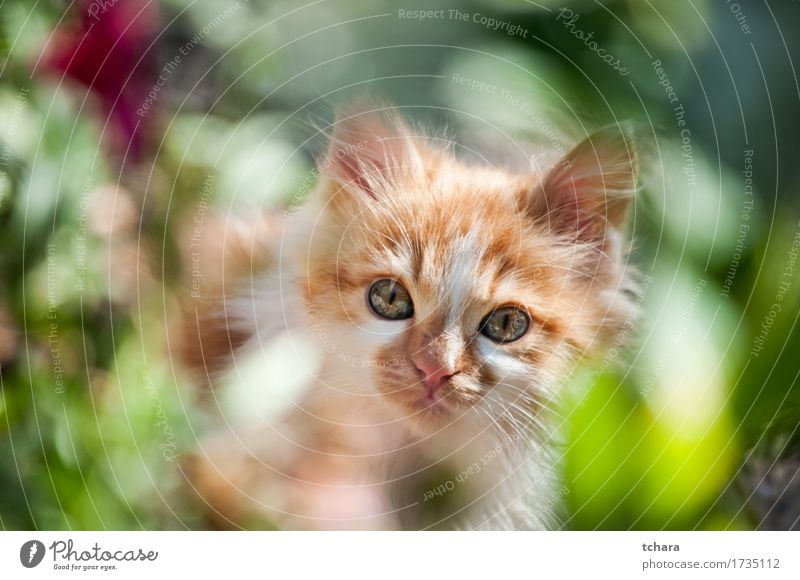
column 505, row 324
column 389, row 299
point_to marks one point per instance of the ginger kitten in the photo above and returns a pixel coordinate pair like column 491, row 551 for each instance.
column 445, row 304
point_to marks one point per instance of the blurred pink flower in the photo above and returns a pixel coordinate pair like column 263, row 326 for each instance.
column 109, row 51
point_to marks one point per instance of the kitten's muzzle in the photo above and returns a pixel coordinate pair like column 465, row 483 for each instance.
column 432, row 372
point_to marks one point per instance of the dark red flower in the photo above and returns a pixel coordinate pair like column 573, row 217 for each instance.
column 110, row 52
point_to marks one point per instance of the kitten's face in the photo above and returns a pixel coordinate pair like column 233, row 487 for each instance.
column 449, row 286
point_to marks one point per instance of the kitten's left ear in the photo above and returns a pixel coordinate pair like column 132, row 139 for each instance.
column 588, row 195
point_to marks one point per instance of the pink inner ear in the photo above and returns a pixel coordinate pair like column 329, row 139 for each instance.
column 369, row 149
column 351, row 171
column 592, row 188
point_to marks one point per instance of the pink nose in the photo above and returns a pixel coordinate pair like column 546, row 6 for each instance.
column 433, row 372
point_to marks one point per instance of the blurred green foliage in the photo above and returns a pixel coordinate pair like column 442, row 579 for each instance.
column 95, row 417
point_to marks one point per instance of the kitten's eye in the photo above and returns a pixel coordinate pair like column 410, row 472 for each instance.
column 389, row 299
column 505, row 324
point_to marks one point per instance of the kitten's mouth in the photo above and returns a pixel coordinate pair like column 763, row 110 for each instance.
column 427, row 405
column 419, row 403
column 430, row 401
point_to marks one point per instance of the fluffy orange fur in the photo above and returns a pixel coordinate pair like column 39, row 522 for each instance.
column 463, row 241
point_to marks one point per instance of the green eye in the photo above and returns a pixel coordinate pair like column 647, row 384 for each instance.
column 505, row 324
column 389, row 299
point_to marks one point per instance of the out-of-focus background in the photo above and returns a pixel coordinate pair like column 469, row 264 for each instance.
column 122, row 122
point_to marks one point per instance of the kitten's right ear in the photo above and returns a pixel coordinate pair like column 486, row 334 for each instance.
column 369, row 151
